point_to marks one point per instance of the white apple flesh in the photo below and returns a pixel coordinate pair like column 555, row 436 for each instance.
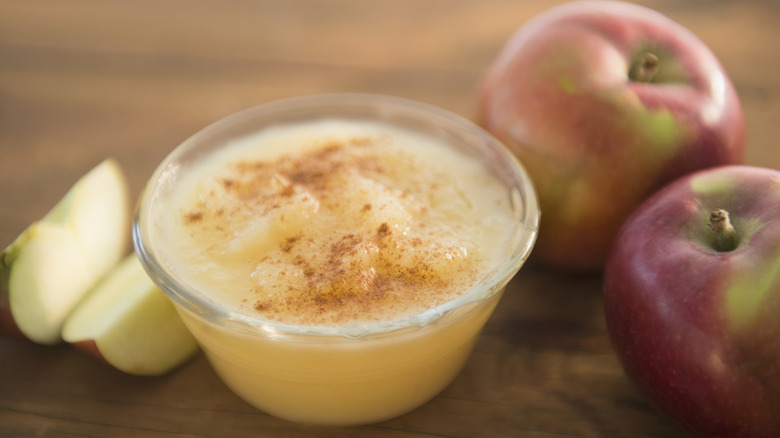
column 46, row 280
column 46, row 271
column 128, row 322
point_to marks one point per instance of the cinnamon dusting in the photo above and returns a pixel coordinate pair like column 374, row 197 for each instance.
column 193, row 217
column 355, row 269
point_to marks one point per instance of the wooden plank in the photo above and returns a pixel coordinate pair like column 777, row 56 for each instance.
column 81, row 80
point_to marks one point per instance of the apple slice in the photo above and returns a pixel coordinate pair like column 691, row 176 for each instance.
column 128, row 322
column 98, row 212
column 47, row 276
column 46, row 271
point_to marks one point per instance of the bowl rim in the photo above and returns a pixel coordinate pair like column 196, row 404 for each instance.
column 524, row 237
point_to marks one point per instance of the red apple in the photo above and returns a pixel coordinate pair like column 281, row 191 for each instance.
column 605, row 102
column 692, row 301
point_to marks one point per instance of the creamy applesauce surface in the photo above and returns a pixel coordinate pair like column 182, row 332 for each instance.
column 329, row 223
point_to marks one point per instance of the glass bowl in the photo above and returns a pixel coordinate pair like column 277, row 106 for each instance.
column 339, row 375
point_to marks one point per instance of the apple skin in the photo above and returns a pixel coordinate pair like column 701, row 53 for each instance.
column 90, row 347
column 8, row 328
column 595, row 141
column 697, row 329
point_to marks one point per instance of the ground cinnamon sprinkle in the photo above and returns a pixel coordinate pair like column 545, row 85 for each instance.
column 317, row 277
column 193, row 217
column 290, row 242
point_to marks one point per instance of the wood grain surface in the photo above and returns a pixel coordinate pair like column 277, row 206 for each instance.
column 84, row 80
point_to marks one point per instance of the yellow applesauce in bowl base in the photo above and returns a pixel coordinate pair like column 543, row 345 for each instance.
column 337, row 256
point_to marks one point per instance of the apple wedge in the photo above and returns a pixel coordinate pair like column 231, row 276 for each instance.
column 128, row 322
column 46, row 271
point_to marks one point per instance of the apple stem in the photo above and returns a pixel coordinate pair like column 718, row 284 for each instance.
column 645, row 67
column 726, row 235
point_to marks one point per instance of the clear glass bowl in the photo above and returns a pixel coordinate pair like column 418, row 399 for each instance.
column 323, row 375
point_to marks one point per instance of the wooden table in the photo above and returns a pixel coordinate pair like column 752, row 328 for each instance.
column 84, row 80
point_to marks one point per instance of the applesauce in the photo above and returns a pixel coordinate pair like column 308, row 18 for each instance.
column 337, row 256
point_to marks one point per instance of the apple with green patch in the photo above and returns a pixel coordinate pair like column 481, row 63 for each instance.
column 604, row 103
column 129, row 323
column 692, row 301
column 46, row 271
